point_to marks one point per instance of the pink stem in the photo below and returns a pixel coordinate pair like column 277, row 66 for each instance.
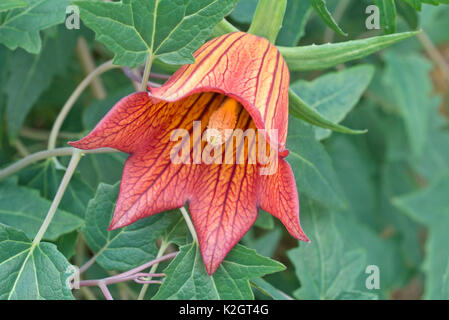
column 148, row 264
column 105, row 291
column 133, row 274
column 159, row 76
column 87, row 265
column 135, row 77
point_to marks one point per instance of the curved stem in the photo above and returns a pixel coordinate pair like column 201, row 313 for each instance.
column 146, row 73
column 223, row 27
column 88, row 64
column 434, row 54
column 119, row 278
column 160, row 76
column 21, row 148
column 105, row 291
column 59, row 194
column 134, row 77
column 268, row 27
column 134, row 274
column 71, row 101
column 34, row 157
column 88, row 264
column 42, row 135
column 189, row 223
column 161, row 251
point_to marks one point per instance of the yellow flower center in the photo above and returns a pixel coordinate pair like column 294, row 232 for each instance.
column 222, row 122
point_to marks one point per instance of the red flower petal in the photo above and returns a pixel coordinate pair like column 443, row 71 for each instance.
column 223, row 198
column 278, row 195
column 223, row 209
column 242, row 66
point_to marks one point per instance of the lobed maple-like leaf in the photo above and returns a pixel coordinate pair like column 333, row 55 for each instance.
column 21, row 25
column 223, row 197
column 167, row 29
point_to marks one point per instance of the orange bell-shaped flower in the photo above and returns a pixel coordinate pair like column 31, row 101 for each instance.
column 180, row 138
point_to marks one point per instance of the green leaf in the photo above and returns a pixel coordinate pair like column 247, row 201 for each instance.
column 397, row 180
column 334, row 94
column 125, row 248
column 2, row 108
column 436, row 264
column 408, row 13
column 169, row 30
column 244, row 11
column 388, row 237
column 12, row 4
column 28, row 215
column 435, row 2
column 177, row 232
column 320, row 7
column 386, row 254
column 221, row 28
column 434, row 160
column 187, row 277
column 387, row 10
column 30, row 75
column 301, row 110
column 5, row 55
column 416, row 4
column 357, row 295
column 362, row 162
column 269, row 290
column 29, row 272
column 264, row 220
column 407, row 78
column 46, row 178
column 325, row 269
column 314, row 173
column 293, row 26
column 433, row 22
column 431, row 208
column 22, row 25
column 266, row 244
column 97, row 168
column 356, row 172
column 66, row 244
column 316, row 57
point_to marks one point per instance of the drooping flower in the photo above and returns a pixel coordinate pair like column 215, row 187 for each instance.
column 238, row 81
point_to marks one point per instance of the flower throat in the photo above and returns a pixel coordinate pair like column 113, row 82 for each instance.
column 222, row 121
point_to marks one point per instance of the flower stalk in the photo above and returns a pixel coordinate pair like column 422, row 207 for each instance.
column 41, row 155
column 223, row 27
column 135, row 274
column 268, row 28
column 146, row 73
column 161, row 251
column 76, row 156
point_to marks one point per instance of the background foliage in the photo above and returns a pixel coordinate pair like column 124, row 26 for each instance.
column 380, row 198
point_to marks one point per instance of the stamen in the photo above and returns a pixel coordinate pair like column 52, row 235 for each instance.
column 222, row 121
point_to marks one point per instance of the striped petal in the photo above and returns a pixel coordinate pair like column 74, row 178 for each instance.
column 278, row 195
column 242, row 66
column 151, row 181
column 223, row 198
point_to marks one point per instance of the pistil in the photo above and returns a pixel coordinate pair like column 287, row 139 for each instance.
column 222, row 122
